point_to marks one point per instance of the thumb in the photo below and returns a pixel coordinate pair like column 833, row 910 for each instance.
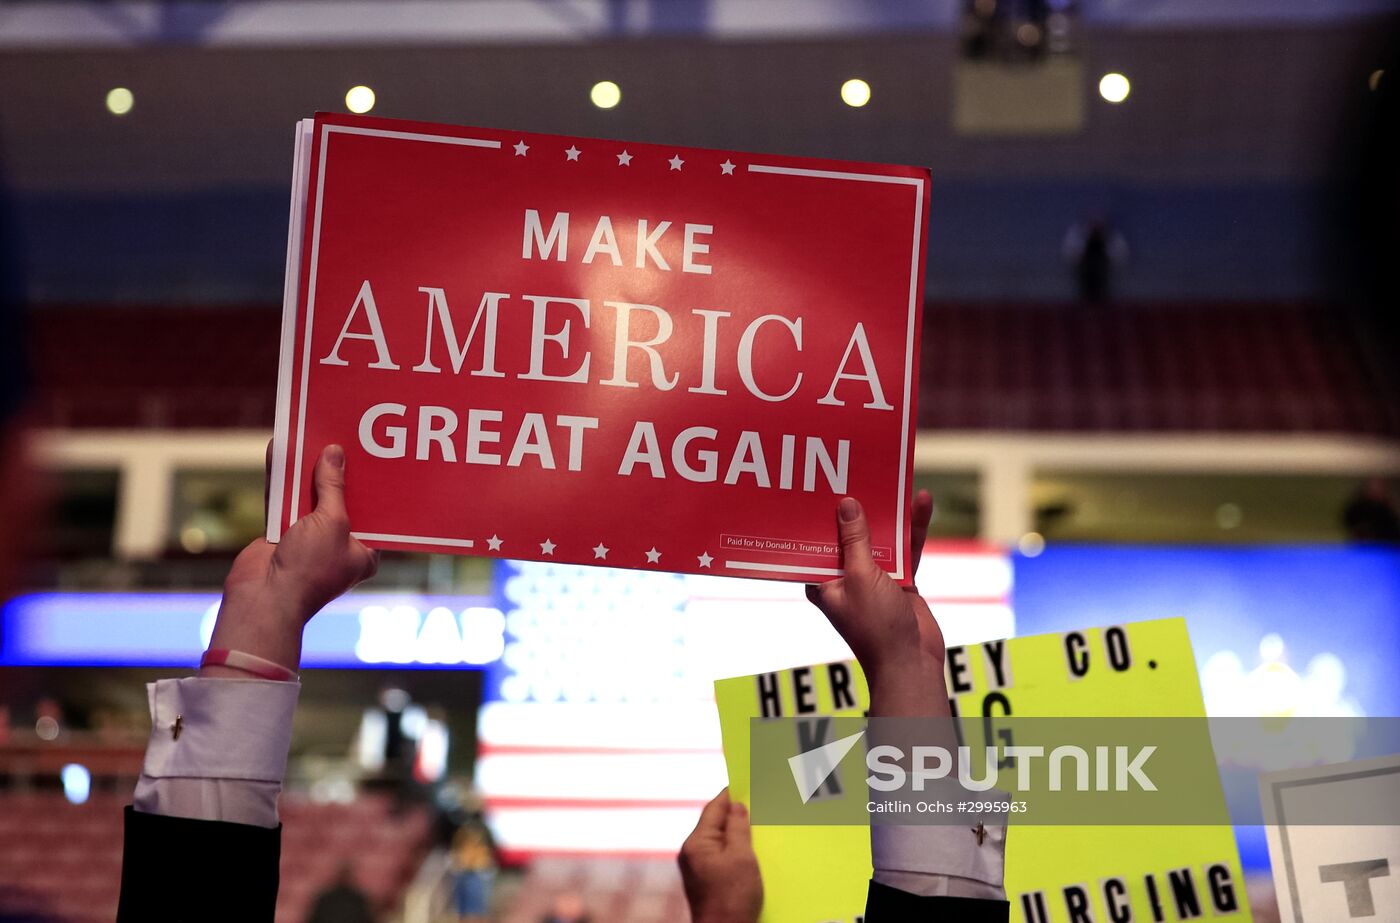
column 712, row 816
column 737, row 833
column 330, row 482
column 854, row 531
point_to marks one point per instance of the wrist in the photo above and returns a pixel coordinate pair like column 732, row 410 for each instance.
column 904, row 663
column 256, row 626
column 249, row 664
column 909, row 686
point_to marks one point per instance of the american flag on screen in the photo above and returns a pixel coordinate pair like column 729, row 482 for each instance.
column 598, row 734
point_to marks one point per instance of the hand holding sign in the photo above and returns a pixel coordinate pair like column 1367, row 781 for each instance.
column 718, row 865
column 889, row 628
column 272, row 591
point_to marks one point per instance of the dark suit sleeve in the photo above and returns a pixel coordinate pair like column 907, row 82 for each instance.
column 891, row 905
column 177, row 870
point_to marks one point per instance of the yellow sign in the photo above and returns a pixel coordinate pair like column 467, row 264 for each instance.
column 1054, row 874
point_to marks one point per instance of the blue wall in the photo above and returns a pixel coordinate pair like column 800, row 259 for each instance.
column 987, row 240
column 1343, row 601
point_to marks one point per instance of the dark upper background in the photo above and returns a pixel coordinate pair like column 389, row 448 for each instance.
column 1251, row 172
column 1222, row 169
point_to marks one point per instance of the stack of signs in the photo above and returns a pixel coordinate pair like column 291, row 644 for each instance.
column 1055, row 873
column 595, row 352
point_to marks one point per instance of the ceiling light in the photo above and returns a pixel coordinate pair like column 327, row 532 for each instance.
column 359, row 100
column 120, row 100
column 1114, row 87
column 855, row 92
column 605, row 94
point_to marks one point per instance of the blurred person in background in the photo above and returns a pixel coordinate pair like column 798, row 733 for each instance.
column 568, row 908
column 459, row 805
column 398, row 755
column 342, row 902
column 19, row 497
column 1095, row 248
column 400, row 745
column 1366, row 234
column 1371, row 516
column 473, row 873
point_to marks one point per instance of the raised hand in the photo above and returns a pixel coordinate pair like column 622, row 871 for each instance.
column 272, row 591
column 888, row 627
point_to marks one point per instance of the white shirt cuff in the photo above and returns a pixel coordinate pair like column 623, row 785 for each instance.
column 937, row 860
column 218, row 749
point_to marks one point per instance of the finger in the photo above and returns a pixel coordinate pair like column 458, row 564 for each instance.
column 825, row 595
column 830, row 600
column 371, row 564
column 920, row 515
column 329, row 481
column 737, row 833
column 713, row 816
column 855, row 537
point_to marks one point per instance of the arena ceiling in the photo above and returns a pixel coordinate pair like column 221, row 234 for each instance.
column 1240, row 105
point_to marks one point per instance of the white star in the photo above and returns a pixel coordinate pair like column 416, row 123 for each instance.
column 727, row 168
column 572, row 152
column 624, row 159
column 547, row 547
column 653, row 555
column 705, row 559
column 676, row 162
column 600, row 551
column 520, row 148
column 494, row 543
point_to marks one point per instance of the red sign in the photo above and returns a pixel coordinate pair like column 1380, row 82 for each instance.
column 600, row 352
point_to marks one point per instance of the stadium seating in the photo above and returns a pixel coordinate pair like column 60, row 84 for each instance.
column 1212, row 367
column 64, row 860
column 1226, row 366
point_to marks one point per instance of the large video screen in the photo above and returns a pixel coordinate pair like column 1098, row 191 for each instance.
column 359, row 631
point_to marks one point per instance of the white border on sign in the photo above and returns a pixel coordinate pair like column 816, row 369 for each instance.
column 415, row 540
column 784, row 568
column 291, row 290
column 326, row 132
column 914, row 305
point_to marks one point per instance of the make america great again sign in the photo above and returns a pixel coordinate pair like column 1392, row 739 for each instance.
column 600, row 352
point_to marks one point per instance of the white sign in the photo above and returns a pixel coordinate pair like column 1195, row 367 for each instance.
column 1328, row 873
